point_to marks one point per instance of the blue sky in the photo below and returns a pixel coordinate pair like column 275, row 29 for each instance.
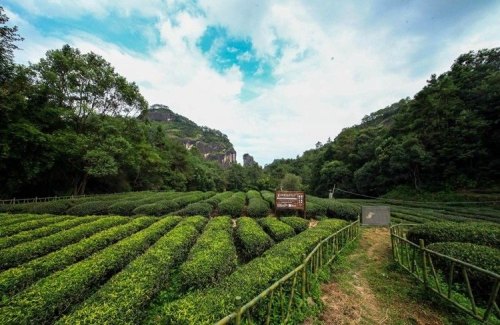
column 275, row 76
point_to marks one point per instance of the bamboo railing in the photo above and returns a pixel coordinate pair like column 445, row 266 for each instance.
column 275, row 304
column 448, row 277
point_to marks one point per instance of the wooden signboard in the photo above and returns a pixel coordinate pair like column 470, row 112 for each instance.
column 290, row 200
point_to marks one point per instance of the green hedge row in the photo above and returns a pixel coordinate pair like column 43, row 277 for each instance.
column 276, row 229
column 166, row 206
column 269, row 197
column 257, row 206
column 337, row 209
column 89, row 208
column 124, row 207
column 7, row 219
column 47, row 299
column 298, row 224
column 13, row 256
column 195, row 209
column 210, row 305
column 51, row 207
column 212, row 257
column 218, row 198
column 123, row 298
column 27, row 235
column 313, row 210
column 485, row 257
column 480, row 233
column 42, row 221
column 18, row 278
column 251, row 238
column 234, row 205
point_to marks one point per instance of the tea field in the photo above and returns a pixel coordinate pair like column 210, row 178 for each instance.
column 172, row 257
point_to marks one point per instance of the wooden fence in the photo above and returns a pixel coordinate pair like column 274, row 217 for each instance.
column 274, row 304
column 449, row 278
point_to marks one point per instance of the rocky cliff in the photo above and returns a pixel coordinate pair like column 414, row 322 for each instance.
column 212, row 144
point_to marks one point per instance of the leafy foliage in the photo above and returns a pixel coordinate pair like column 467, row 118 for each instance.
column 251, row 238
column 471, row 232
column 276, row 229
column 212, row 257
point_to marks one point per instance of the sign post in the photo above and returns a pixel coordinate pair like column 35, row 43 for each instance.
column 290, row 200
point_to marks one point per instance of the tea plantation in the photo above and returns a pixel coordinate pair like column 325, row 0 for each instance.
column 181, row 258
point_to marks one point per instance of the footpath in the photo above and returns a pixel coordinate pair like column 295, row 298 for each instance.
column 367, row 289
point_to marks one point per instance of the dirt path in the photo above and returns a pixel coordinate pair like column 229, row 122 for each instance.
column 366, row 291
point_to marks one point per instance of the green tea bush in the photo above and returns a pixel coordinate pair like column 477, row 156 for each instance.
column 210, row 305
column 234, row 205
column 16, row 208
column 41, row 221
column 44, row 301
column 485, row 257
column 337, row 209
column 156, row 209
column 276, row 229
column 28, row 235
column 89, row 208
column 123, row 207
column 218, row 198
column 480, row 233
column 26, row 251
column 257, row 206
column 7, row 219
column 212, row 257
column 123, row 298
column 269, row 197
column 298, row 224
column 15, row 279
column 251, row 238
column 50, row 207
column 195, row 209
column 313, row 210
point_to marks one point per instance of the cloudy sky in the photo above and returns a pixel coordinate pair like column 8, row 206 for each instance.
column 275, row 76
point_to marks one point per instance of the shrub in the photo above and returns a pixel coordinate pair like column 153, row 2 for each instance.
column 41, row 221
column 123, row 298
column 50, row 207
column 195, row 209
column 269, row 197
column 276, row 229
column 23, row 252
column 210, row 305
column 257, row 206
column 123, row 207
column 15, row 279
column 7, row 219
column 485, row 257
column 473, row 232
column 28, row 235
column 46, row 299
column 251, row 238
column 313, row 210
column 298, row 224
column 156, row 209
column 89, row 208
column 234, row 205
column 218, row 198
column 212, row 257
column 337, row 209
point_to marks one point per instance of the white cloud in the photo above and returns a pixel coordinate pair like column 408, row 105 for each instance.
column 334, row 67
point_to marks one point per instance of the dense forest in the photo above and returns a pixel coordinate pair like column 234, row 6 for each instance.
column 445, row 138
column 69, row 124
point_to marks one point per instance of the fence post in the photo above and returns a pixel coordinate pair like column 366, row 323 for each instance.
column 304, row 275
column 424, row 261
column 238, row 309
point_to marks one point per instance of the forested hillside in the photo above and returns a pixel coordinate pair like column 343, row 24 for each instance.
column 445, row 138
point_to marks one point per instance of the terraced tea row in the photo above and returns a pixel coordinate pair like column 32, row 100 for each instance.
column 110, row 269
column 253, row 203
